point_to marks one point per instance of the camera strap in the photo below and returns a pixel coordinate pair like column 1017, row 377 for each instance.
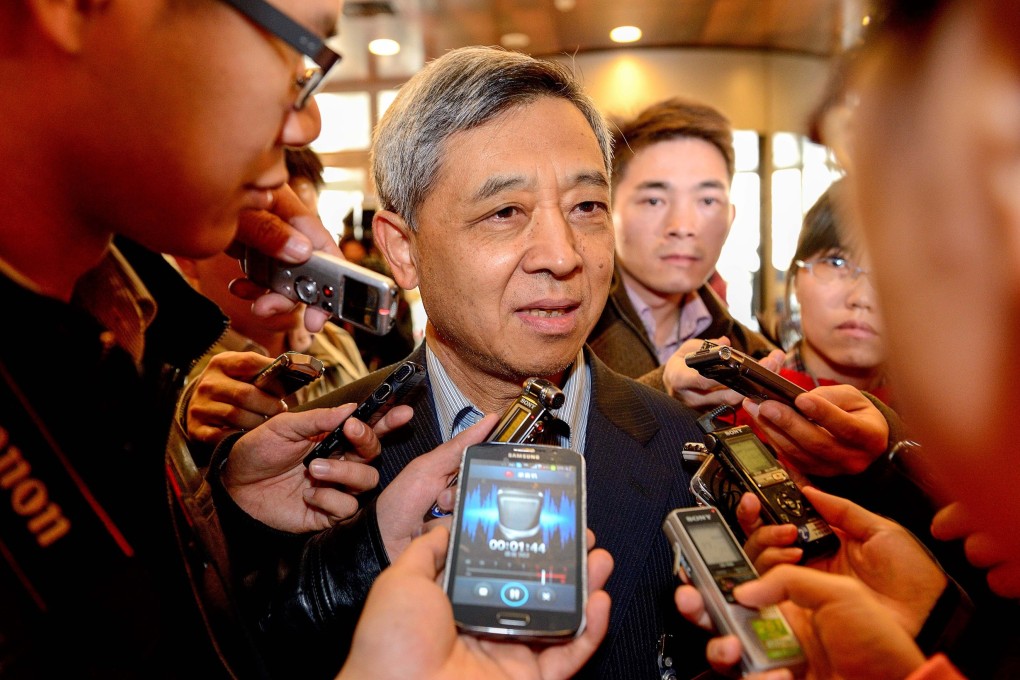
column 55, row 536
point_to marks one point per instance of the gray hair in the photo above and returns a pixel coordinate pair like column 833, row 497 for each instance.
column 461, row 90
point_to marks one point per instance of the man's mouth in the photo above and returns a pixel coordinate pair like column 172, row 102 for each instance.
column 545, row 312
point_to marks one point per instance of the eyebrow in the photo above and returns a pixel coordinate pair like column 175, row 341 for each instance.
column 664, row 185
column 495, row 185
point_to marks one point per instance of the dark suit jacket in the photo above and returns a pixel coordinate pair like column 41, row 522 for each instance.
column 620, row 340
column 634, row 477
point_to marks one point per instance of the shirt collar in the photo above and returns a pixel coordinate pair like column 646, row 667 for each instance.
column 452, row 406
column 694, row 319
column 112, row 292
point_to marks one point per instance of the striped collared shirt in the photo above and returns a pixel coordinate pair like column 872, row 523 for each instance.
column 456, row 413
column 694, row 319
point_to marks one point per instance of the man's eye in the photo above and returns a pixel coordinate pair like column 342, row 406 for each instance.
column 505, row 213
column 836, row 262
column 589, row 206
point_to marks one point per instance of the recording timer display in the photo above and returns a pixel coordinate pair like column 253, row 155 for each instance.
column 518, row 534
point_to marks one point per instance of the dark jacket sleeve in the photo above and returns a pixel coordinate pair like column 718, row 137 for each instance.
column 301, row 594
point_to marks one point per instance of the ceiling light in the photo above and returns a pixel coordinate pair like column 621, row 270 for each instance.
column 625, row 34
column 515, row 41
column 383, row 47
column 564, row 5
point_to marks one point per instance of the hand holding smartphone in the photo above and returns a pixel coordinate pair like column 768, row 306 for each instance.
column 517, row 562
column 394, row 389
column 708, row 556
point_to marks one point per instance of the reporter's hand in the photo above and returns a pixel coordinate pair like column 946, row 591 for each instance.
column 767, row 544
column 405, row 500
column 265, row 473
column 882, row 556
column 983, row 548
column 223, row 399
column 407, row 628
column 844, row 435
column 844, row 630
column 690, row 387
column 887, row 558
column 286, row 230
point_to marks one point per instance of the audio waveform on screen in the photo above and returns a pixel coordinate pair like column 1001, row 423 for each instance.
column 481, row 513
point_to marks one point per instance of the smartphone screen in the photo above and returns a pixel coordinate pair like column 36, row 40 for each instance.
column 518, row 559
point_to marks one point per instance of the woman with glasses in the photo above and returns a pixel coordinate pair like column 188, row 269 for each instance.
column 831, row 327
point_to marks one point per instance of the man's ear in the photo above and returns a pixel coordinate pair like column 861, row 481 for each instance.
column 394, row 238
column 65, row 22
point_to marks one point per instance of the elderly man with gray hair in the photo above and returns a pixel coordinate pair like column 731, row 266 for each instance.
column 493, row 174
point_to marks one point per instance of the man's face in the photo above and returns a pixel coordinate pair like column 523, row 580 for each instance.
column 672, row 213
column 199, row 102
column 514, row 252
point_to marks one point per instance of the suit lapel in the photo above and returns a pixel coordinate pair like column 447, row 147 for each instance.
column 417, row 437
column 629, row 483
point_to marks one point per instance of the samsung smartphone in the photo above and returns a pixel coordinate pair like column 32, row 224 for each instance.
column 748, row 465
column 395, row 389
column 708, row 556
column 517, row 565
column 347, row 291
column 522, row 421
column 288, row 373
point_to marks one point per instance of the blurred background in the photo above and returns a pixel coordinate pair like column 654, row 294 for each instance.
column 763, row 63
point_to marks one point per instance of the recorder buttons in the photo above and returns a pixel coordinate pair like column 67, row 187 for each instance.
column 483, row 590
column 790, row 504
column 514, row 594
column 306, row 289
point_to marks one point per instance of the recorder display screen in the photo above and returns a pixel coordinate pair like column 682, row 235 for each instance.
column 517, row 544
column 360, row 302
column 714, row 544
column 748, row 451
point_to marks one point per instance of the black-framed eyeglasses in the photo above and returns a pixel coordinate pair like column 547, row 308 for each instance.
column 319, row 58
column 832, row 268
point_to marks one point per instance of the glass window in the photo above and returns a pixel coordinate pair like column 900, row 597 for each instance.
column 786, row 150
column 787, row 214
column 383, row 100
column 346, row 122
column 745, row 147
column 344, row 192
column 739, row 260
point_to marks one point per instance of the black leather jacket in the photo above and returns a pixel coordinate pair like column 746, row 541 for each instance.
column 300, row 591
column 93, row 585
